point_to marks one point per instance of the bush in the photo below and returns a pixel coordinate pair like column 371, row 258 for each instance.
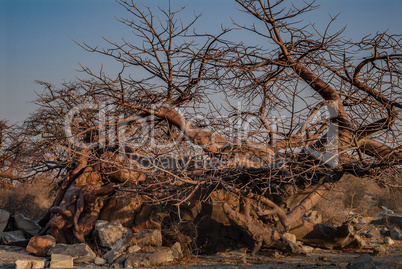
column 358, row 197
column 29, row 198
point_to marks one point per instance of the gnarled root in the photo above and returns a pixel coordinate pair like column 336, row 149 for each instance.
column 262, row 235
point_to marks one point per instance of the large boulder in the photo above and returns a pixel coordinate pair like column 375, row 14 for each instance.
column 13, row 238
column 26, row 224
column 146, row 238
column 4, row 217
column 81, row 253
column 160, row 256
column 112, row 235
column 40, row 245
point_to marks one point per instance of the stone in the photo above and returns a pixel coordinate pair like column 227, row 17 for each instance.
column 26, row 224
column 40, row 245
column 29, row 263
column 111, row 255
column 379, row 250
column 120, row 261
column 389, row 241
column 61, row 261
column 364, row 261
column 160, row 256
column 81, row 253
column 13, row 238
column 146, row 238
column 290, row 237
column 395, row 219
column 307, row 249
column 4, row 217
column 99, row 261
column 176, row 250
column 395, row 234
column 112, row 235
column 133, row 249
column 384, row 232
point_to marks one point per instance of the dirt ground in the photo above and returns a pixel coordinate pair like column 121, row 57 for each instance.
column 236, row 259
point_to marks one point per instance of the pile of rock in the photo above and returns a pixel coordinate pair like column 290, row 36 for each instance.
column 16, row 230
column 115, row 246
column 360, row 232
column 121, row 248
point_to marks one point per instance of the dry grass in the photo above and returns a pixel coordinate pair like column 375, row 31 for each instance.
column 358, row 197
column 30, row 198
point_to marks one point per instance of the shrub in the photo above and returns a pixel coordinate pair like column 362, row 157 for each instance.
column 29, row 198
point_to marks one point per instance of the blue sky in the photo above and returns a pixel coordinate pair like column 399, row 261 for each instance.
column 36, row 37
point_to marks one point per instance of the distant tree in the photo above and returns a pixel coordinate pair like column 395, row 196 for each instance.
column 298, row 111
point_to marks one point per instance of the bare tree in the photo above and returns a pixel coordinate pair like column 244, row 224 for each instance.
column 297, row 115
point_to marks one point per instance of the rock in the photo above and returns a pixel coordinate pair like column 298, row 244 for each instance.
column 99, row 261
column 112, row 235
column 120, row 261
column 307, row 249
column 29, row 263
column 176, row 250
column 395, row 219
column 133, row 249
column 61, row 261
column 13, row 238
column 111, row 255
column 379, row 250
column 40, row 245
column 26, row 224
column 395, row 234
column 161, row 255
column 389, row 241
column 364, row 261
column 148, row 238
column 4, row 217
column 384, row 232
column 81, row 253
column 290, row 237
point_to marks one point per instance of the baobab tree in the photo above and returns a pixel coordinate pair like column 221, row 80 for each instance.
column 296, row 114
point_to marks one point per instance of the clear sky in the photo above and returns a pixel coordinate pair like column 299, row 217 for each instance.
column 37, row 37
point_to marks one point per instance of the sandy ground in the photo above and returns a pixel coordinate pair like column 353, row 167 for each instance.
column 319, row 259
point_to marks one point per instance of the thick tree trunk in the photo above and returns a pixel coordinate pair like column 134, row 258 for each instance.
column 261, row 233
